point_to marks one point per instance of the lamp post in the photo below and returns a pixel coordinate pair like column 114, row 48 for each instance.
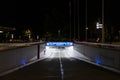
column 78, row 21
column 119, row 34
column 103, row 33
column 74, row 19
column 70, row 18
column 86, row 28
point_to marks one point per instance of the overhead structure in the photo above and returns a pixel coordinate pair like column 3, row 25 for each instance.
column 5, row 29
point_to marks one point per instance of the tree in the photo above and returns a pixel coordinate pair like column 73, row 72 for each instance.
column 27, row 34
column 48, row 36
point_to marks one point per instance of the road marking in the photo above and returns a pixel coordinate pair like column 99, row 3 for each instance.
column 61, row 67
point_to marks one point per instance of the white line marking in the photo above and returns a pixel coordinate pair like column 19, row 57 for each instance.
column 61, row 67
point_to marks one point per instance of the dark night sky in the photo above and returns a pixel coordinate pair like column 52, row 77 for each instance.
column 50, row 15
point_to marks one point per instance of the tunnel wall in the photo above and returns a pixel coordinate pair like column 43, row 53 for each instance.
column 13, row 58
column 99, row 55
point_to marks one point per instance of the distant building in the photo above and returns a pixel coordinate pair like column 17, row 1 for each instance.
column 6, row 29
column 6, row 33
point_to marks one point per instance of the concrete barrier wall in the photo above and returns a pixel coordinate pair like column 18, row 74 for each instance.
column 17, row 57
column 98, row 55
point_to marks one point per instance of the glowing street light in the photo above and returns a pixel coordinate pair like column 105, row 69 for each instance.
column 37, row 37
column 12, row 36
column 1, row 31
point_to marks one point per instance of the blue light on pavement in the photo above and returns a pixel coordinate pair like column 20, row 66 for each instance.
column 97, row 60
column 23, row 61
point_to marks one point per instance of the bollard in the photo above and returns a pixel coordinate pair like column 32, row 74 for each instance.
column 38, row 55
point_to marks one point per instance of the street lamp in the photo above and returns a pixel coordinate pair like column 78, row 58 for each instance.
column 12, row 36
column 37, row 37
column 1, row 31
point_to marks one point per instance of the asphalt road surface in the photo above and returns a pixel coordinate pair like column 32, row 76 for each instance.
column 61, row 67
